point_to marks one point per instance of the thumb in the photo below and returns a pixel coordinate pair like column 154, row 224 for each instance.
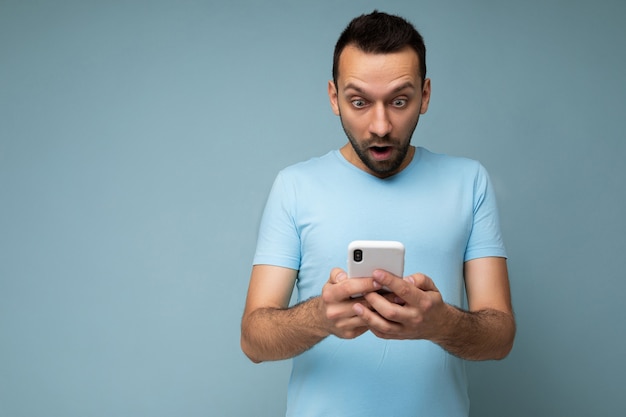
column 337, row 275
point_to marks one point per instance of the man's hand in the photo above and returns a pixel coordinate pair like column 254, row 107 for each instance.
column 417, row 311
column 271, row 330
column 338, row 300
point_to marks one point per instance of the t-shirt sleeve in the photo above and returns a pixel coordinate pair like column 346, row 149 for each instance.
column 279, row 241
column 486, row 237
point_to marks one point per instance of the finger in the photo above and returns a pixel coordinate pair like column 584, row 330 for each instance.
column 345, row 323
column 351, row 331
column 376, row 322
column 351, row 323
column 422, row 282
column 395, row 284
column 386, row 308
column 346, row 289
column 337, row 275
column 337, row 312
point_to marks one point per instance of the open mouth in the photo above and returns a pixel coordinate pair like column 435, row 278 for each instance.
column 381, row 152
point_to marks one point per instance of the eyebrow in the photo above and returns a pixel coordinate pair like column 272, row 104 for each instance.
column 399, row 88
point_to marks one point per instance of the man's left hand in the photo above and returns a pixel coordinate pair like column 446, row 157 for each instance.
column 416, row 311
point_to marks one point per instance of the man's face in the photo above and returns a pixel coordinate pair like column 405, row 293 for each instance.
column 379, row 98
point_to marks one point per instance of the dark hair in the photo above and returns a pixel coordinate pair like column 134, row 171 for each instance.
column 380, row 33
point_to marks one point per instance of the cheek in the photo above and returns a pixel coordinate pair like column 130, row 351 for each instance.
column 356, row 125
column 404, row 125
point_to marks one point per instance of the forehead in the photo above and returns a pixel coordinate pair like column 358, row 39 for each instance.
column 378, row 71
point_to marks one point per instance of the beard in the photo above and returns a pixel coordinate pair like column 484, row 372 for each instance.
column 385, row 168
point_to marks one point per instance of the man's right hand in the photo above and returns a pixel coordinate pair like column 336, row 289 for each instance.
column 271, row 330
column 337, row 301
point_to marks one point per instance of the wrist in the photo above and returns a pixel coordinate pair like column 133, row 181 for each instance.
column 448, row 326
column 320, row 323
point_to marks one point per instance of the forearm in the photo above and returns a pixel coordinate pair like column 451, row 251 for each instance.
column 274, row 333
column 480, row 335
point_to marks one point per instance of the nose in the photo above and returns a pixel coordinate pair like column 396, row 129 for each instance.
column 380, row 125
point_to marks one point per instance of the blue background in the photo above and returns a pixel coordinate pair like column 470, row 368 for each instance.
column 139, row 139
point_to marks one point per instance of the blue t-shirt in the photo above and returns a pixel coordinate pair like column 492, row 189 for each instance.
column 443, row 210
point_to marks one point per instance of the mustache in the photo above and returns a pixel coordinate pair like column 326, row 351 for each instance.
column 381, row 141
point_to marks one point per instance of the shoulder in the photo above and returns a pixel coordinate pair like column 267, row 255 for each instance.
column 449, row 165
column 313, row 170
column 427, row 156
column 313, row 165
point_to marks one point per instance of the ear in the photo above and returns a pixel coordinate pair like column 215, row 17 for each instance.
column 425, row 96
column 332, row 95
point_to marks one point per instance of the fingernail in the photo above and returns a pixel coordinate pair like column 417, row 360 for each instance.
column 341, row 276
column 378, row 274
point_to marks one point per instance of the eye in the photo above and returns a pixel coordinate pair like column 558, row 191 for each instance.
column 399, row 102
column 358, row 103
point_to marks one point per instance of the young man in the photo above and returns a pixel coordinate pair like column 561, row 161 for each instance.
column 399, row 354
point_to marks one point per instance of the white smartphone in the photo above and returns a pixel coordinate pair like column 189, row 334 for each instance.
column 365, row 256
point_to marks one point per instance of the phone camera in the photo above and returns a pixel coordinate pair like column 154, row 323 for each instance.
column 358, row 255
